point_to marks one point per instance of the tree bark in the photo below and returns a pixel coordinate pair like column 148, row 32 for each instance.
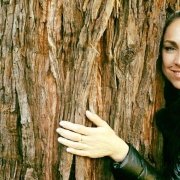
column 60, row 58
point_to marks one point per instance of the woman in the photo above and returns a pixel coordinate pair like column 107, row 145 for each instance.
column 100, row 141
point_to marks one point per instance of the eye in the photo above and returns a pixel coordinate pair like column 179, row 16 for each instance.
column 169, row 48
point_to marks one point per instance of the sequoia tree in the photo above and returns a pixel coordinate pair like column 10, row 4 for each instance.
column 58, row 59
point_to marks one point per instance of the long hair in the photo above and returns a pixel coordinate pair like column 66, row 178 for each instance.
column 168, row 118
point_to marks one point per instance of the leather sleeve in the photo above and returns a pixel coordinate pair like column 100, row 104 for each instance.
column 134, row 166
column 176, row 169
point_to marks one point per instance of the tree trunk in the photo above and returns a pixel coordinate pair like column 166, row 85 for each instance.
column 58, row 59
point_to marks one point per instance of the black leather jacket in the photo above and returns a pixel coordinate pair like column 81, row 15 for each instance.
column 135, row 166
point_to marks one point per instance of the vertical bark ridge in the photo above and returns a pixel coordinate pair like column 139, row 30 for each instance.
column 59, row 58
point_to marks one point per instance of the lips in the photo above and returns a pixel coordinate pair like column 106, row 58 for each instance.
column 176, row 73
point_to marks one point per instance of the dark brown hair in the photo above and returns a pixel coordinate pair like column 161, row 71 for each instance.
column 168, row 118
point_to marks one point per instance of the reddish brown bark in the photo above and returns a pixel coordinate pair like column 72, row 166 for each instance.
column 59, row 58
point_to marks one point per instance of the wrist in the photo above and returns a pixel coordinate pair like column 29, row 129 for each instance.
column 121, row 149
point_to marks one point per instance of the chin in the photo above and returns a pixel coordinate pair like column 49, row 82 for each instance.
column 176, row 84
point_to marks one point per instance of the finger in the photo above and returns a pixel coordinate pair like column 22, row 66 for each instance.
column 71, row 144
column 77, row 152
column 96, row 119
column 76, row 128
column 69, row 134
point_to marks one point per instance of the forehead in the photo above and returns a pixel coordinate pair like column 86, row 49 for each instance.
column 173, row 30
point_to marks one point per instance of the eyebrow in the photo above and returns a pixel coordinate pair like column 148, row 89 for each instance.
column 171, row 42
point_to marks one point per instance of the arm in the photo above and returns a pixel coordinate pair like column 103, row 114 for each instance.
column 134, row 166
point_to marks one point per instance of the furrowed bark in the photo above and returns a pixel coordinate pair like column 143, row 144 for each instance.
column 58, row 59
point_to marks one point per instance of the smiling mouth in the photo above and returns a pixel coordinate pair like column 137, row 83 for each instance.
column 176, row 73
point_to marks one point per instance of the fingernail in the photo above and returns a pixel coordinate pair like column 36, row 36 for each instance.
column 88, row 112
column 60, row 140
column 58, row 130
column 62, row 123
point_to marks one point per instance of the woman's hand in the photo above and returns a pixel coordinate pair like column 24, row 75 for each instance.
column 93, row 142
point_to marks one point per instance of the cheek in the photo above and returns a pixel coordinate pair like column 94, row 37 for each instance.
column 166, row 63
column 167, row 60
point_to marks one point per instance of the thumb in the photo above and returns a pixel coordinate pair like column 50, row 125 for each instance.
column 96, row 119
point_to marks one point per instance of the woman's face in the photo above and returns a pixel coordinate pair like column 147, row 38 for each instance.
column 171, row 53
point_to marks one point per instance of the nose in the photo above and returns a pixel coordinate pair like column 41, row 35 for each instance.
column 177, row 58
